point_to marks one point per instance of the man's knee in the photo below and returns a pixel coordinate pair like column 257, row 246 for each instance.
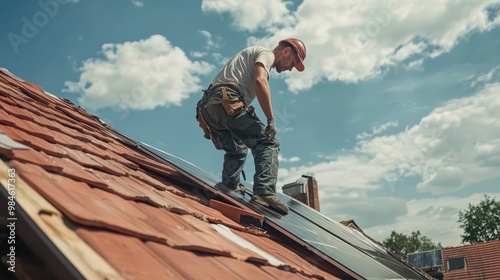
column 271, row 143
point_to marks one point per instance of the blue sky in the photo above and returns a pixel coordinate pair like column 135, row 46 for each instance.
column 397, row 113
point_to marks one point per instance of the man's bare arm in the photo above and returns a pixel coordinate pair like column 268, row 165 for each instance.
column 262, row 90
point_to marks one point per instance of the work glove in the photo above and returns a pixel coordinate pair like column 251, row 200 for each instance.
column 270, row 132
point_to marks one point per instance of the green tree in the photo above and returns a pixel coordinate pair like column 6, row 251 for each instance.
column 402, row 244
column 480, row 222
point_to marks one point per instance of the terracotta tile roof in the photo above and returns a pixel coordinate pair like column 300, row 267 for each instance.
column 482, row 261
column 83, row 183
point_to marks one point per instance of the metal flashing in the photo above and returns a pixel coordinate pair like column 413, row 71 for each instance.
column 7, row 143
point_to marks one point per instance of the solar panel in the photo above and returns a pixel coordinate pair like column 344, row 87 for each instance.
column 430, row 258
column 343, row 245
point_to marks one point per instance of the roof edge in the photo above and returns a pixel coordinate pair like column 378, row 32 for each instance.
column 6, row 71
column 42, row 227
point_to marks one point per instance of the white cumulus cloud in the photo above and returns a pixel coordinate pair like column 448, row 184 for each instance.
column 376, row 130
column 251, row 15
column 455, row 146
column 138, row 3
column 138, row 75
column 354, row 41
column 291, row 160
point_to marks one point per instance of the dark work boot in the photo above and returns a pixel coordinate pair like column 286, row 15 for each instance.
column 239, row 188
column 270, row 200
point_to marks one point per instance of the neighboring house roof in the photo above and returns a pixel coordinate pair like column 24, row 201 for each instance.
column 97, row 204
column 481, row 261
column 351, row 223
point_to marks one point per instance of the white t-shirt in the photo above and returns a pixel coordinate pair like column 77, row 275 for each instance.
column 238, row 71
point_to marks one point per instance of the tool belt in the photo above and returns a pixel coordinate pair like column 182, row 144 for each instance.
column 231, row 104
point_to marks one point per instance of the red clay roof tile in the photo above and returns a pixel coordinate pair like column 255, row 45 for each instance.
column 197, row 265
column 129, row 255
column 147, row 179
column 80, row 157
column 37, row 158
column 32, row 141
column 65, row 140
column 150, row 164
column 13, row 110
column 234, row 213
column 33, row 129
column 296, row 259
column 481, row 261
column 7, row 101
column 121, row 186
column 5, row 118
column 79, row 115
column 108, row 154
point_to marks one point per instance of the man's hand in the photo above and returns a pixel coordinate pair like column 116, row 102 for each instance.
column 270, row 131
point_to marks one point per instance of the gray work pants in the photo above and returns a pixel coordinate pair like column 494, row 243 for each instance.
column 237, row 134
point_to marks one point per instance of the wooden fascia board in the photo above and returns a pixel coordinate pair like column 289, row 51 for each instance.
column 42, row 227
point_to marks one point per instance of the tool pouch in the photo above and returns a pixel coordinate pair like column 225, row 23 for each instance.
column 204, row 126
column 232, row 105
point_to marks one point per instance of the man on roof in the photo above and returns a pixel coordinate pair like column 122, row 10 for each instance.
column 230, row 122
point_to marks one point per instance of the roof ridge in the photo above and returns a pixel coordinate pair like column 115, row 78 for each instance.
column 484, row 243
column 7, row 72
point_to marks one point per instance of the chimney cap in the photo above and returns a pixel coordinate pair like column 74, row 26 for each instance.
column 308, row 175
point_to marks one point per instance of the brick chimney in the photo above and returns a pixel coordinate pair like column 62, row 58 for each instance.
column 305, row 190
